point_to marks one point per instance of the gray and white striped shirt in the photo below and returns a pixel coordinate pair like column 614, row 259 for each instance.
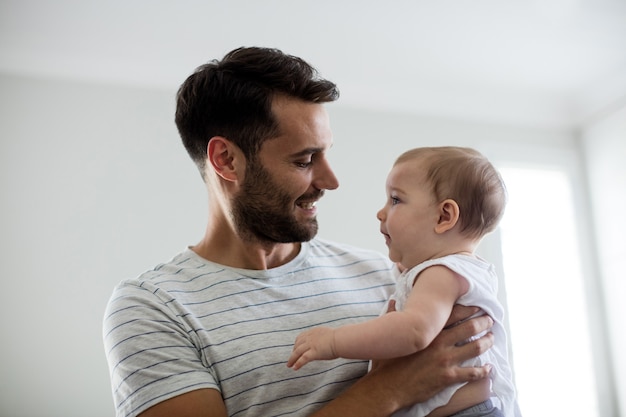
column 191, row 324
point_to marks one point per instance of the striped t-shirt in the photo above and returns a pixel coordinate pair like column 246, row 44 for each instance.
column 191, row 324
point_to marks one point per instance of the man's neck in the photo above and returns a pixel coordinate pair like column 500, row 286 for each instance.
column 230, row 250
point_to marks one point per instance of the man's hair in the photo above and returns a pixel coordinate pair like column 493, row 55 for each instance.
column 467, row 177
column 233, row 97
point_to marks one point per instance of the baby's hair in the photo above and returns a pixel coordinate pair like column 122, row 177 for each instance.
column 467, row 177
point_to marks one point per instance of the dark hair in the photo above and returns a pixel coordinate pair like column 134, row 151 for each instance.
column 467, row 177
column 233, row 98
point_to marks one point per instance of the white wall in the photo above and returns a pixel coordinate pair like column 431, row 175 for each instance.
column 604, row 144
column 96, row 187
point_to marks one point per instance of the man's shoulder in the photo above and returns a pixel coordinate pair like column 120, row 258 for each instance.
column 182, row 268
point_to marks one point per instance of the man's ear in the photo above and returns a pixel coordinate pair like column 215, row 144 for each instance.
column 449, row 213
column 223, row 155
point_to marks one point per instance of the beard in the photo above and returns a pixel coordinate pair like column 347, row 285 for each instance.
column 263, row 210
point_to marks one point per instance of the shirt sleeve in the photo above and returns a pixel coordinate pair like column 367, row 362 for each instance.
column 151, row 349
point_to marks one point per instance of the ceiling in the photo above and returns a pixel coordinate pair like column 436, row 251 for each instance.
column 543, row 63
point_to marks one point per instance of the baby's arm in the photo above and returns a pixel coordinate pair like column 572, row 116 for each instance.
column 395, row 334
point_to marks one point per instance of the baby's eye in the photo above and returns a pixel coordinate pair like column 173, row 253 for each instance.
column 394, row 200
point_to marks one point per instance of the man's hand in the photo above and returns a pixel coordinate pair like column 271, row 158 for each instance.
column 315, row 344
column 461, row 313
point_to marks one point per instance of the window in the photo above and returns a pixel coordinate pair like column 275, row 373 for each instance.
column 545, row 297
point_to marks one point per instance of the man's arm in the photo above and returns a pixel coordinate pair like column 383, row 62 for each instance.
column 202, row 402
column 390, row 386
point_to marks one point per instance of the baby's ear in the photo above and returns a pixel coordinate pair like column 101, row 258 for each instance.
column 448, row 216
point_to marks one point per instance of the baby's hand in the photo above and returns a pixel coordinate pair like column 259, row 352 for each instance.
column 314, row 344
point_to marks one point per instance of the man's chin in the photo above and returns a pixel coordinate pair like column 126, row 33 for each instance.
column 303, row 235
column 296, row 237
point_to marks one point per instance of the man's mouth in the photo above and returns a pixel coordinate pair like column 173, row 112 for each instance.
column 309, row 201
column 307, row 205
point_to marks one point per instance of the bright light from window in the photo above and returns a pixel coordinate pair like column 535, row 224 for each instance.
column 551, row 347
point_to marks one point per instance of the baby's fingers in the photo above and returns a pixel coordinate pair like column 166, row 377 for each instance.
column 299, row 362
column 298, row 349
column 295, row 361
column 292, row 360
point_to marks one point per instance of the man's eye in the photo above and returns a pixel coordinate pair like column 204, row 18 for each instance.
column 303, row 164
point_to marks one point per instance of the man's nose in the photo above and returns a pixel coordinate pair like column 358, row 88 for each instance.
column 327, row 180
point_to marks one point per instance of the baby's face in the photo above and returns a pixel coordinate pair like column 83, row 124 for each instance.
column 409, row 216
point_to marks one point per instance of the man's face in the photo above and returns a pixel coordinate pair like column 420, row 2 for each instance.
column 276, row 201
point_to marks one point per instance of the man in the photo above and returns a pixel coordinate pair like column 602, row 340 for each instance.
column 209, row 333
